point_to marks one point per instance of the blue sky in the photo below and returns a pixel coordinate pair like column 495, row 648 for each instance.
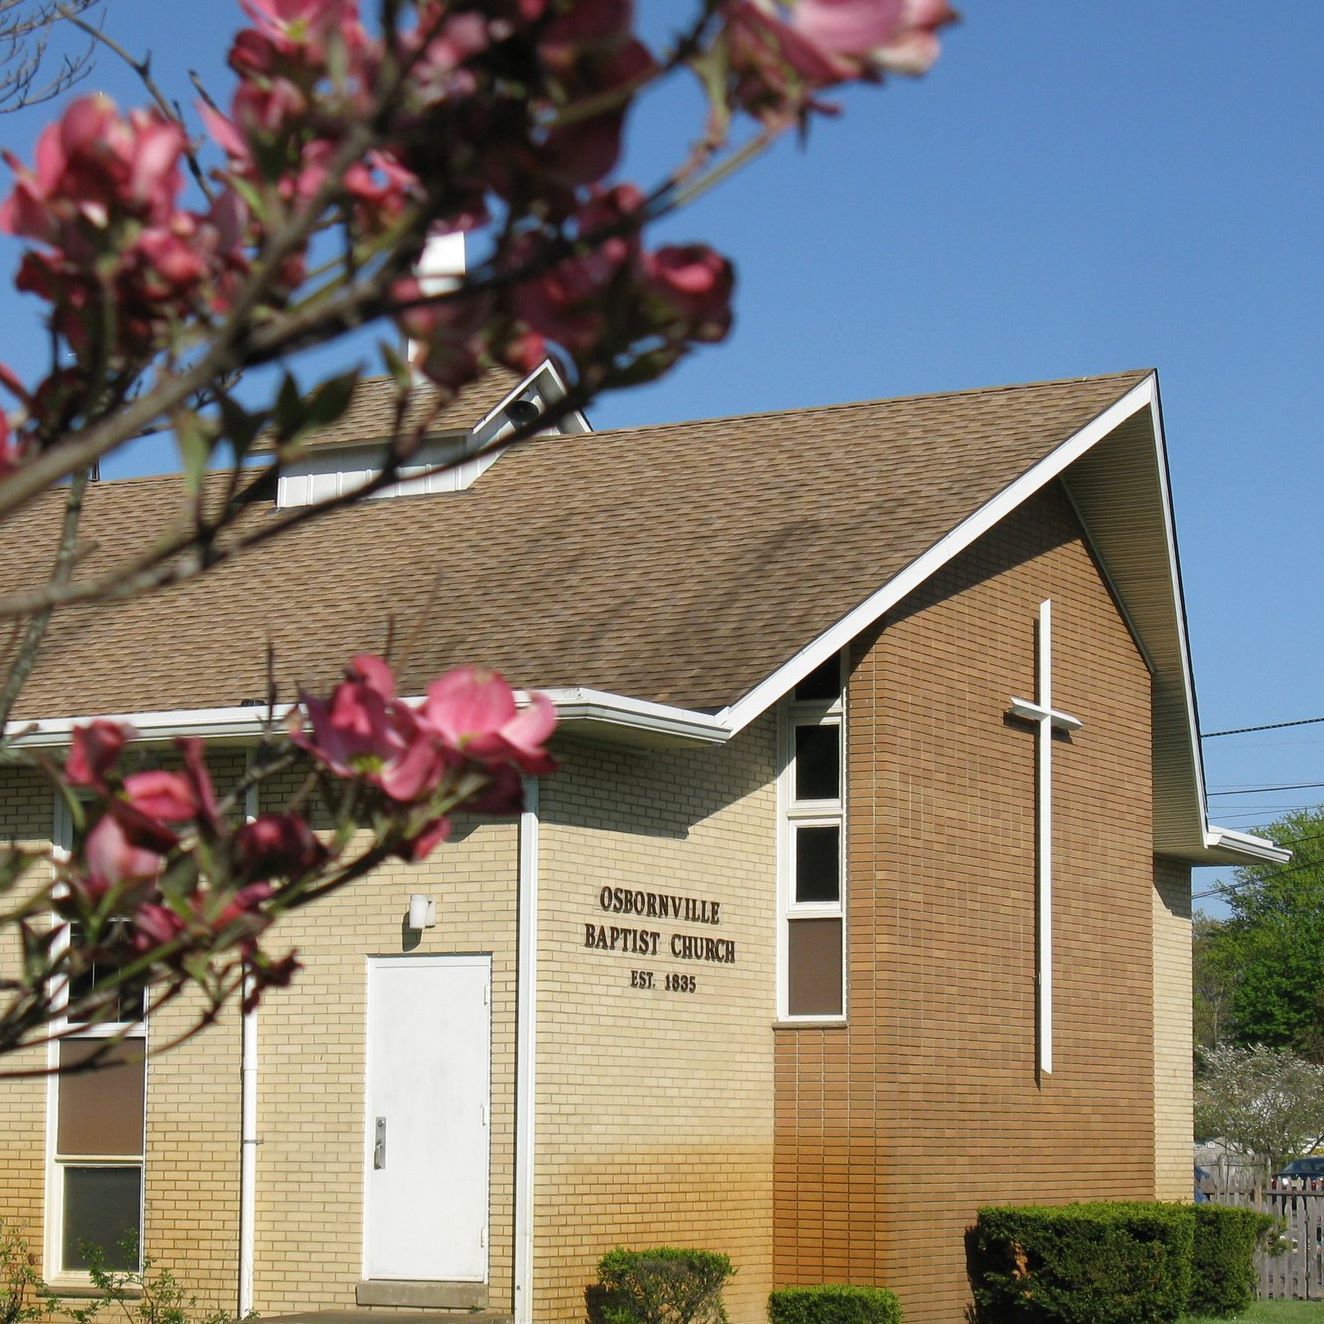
column 1075, row 188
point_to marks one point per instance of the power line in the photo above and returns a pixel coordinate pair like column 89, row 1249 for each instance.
column 1261, row 790
column 1268, row 726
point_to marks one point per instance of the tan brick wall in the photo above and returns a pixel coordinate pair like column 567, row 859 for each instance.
column 312, row 1043
column 891, row 1131
column 191, row 1168
column 27, row 810
column 1174, row 1126
column 654, row 1120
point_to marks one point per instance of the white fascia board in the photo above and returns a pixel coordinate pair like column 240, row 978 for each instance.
column 1179, row 603
column 739, row 715
column 209, row 723
column 1244, row 845
column 600, row 706
column 572, row 705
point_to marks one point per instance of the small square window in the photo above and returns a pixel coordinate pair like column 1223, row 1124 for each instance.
column 101, row 1111
column 818, row 762
column 101, row 1208
column 817, row 864
column 814, row 967
column 823, row 682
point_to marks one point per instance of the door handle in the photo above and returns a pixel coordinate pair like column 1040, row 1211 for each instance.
column 379, row 1144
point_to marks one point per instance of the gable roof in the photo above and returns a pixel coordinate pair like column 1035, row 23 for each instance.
column 698, row 566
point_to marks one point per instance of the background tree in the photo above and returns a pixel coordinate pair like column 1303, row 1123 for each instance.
column 1216, row 961
column 26, row 73
column 1271, row 948
column 1266, row 1102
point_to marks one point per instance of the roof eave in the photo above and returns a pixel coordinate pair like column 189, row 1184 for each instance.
column 593, row 713
column 1228, row 846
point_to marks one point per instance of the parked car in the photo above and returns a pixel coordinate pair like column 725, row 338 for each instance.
column 1202, row 1178
column 1302, row 1169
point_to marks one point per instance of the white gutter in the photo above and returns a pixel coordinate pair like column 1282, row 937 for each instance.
column 209, row 723
column 601, row 706
column 248, row 1141
column 1244, row 844
column 573, row 704
column 526, row 1062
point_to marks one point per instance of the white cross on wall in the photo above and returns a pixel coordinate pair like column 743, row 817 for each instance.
column 1047, row 718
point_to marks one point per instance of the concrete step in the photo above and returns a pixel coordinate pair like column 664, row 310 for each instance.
column 367, row 1315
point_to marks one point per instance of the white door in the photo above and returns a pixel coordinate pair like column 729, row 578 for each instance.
column 429, row 1052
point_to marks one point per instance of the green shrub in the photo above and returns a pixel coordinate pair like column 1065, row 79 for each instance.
column 1082, row 1264
column 22, row 1293
column 662, row 1285
column 834, row 1303
column 1223, row 1268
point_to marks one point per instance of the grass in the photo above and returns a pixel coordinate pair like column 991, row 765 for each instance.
column 1271, row 1312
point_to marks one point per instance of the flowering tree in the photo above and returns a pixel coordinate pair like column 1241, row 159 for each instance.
column 1267, row 1102
column 170, row 261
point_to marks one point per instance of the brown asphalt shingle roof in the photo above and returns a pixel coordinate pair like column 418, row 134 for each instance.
column 680, row 563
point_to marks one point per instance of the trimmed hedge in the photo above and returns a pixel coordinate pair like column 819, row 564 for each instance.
column 834, row 1303
column 1082, row 1263
column 661, row 1285
column 1223, row 1275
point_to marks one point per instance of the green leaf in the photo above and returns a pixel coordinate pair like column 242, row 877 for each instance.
column 397, row 366
column 330, row 400
column 289, row 411
column 195, row 437
column 239, row 426
column 250, row 194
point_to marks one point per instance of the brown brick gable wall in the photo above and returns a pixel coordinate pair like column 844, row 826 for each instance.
column 892, row 1130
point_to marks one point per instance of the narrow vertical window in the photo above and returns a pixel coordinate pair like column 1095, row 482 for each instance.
column 812, row 797
column 95, row 1170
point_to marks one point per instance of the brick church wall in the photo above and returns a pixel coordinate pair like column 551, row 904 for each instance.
column 654, row 1120
column 892, row 1129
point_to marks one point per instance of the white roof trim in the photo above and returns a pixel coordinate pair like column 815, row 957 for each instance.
column 1179, row 601
column 1245, row 845
column 587, row 705
column 572, row 705
column 739, row 714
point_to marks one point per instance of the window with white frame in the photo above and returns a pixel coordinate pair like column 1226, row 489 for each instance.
column 812, row 796
column 96, row 1132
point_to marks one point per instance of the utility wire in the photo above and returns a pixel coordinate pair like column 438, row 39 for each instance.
column 1260, row 790
column 1268, row 726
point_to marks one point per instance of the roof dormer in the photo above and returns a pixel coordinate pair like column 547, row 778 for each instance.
column 347, row 455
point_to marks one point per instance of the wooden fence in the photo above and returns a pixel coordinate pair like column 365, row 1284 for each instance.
column 1297, row 1274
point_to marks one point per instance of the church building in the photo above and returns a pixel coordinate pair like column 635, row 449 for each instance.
column 861, row 897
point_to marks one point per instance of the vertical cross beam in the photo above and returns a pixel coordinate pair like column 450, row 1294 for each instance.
column 1046, row 719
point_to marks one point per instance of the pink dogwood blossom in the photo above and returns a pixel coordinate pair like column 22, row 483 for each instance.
column 361, row 732
column 165, row 796
column 473, row 710
column 93, row 751
column 113, row 859
column 278, row 846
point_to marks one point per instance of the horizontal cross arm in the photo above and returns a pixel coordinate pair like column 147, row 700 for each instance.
column 1033, row 712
